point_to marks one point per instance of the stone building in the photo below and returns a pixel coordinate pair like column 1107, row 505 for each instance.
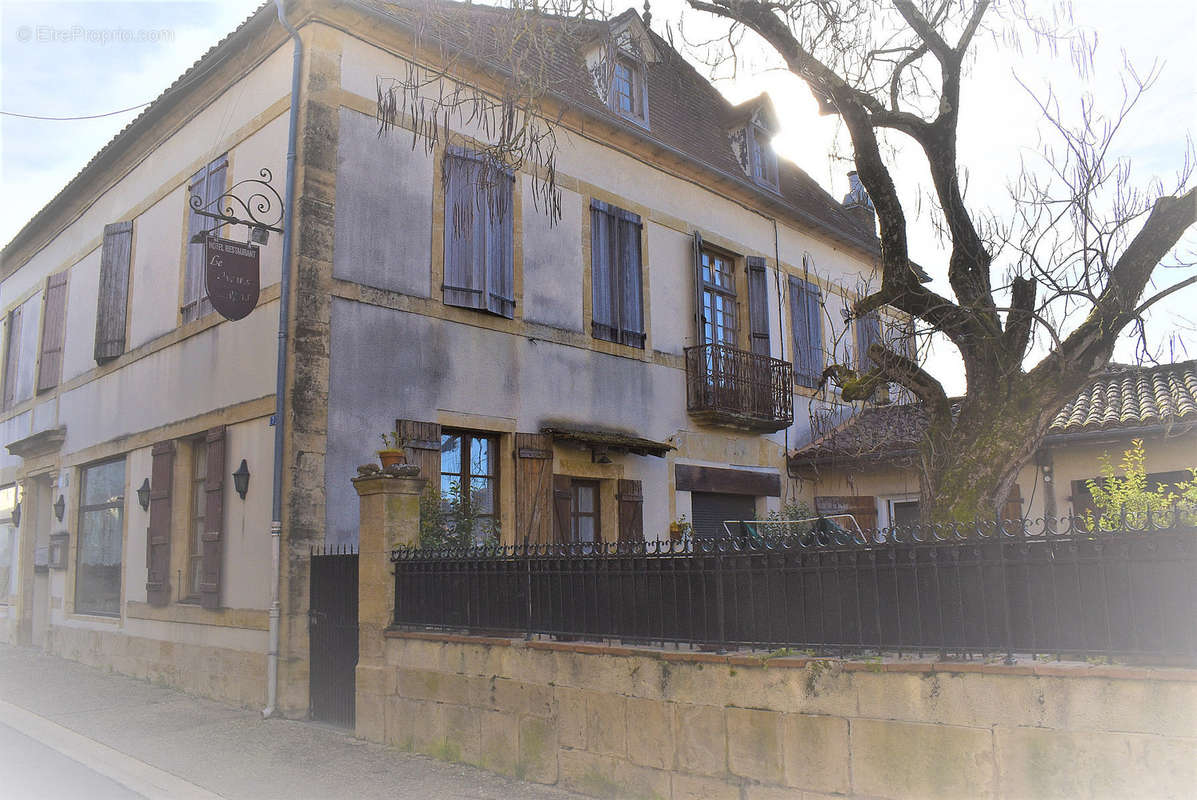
column 648, row 352
column 867, row 467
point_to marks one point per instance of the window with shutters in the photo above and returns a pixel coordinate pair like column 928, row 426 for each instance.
column 22, row 325
column 584, row 520
column 207, row 184
column 718, row 298
column 49, row 369
column 806, row 306
column 112, row 302
column 762, row 157
column 617, row 303
column 479, row 201
column 469, row 483
column 100, row 537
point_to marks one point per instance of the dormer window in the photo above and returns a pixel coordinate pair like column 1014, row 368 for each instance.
column 619, row 65
column 762, row 157
column 627, row 88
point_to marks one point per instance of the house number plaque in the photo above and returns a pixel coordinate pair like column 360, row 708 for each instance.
column 232, row 276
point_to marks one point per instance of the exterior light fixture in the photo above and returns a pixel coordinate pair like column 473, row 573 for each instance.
column 599, row 455
column 199, row 237
column 241, row 479
column 59, row 508
column 143, row 495
column 259, row 235
column 16, row 515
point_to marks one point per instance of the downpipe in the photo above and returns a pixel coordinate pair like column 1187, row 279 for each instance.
column 280, row 389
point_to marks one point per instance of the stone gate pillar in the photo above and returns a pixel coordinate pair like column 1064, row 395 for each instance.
column 390, row 517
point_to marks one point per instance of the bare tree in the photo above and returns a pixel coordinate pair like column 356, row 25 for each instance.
column 1083, row 241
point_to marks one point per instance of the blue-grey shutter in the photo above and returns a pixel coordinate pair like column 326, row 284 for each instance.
column 699, row 315
column 814, row 323
column 463, row 284
column 499, row 267
column 868, row 330
column 113, row 297
column 806, row 322
column 758, row 305
column 603, row 324
column 631, row 306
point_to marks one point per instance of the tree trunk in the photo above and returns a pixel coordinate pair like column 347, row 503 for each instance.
column 970, row 465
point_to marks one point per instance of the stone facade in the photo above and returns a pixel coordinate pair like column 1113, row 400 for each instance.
column 632, row 722
column 221, row 673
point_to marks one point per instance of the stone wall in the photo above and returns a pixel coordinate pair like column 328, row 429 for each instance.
column 631, row 722
column 234, row 676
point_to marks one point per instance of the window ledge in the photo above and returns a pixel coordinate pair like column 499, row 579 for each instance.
column 194, row 614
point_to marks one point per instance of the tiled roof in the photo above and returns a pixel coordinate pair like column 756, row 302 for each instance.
column 685, row 112
column 1124, row 397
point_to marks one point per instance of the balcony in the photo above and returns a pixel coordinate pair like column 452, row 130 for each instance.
column 738, row 389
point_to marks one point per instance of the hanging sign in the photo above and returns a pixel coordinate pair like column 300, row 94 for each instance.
column 232, row 276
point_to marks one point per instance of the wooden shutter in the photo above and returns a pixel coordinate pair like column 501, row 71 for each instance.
column 699, row 318
column 213, row 537
column 758, row 305
column 604, row 323
column 49, row 368
column 500, row 270
column 561, row 502
column 533, row 488
column 423, row 448
column 868, row 330
column 157, row 586
column 631, row 511
column 463, row 286
column 631, row 301
column 806, row 321
column 12, row 347
column 114, row 291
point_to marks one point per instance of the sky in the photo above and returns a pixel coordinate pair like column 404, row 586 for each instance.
column 86, row 58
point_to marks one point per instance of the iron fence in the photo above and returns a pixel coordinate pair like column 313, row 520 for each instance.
column 1060, row 589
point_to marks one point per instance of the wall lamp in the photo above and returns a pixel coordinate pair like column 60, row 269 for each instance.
column 241, row 479
column 599, row 455
column 59, row 508
column 143, row 495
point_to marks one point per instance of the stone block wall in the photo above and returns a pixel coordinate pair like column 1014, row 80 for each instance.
column 232, row 676
column 631, row 722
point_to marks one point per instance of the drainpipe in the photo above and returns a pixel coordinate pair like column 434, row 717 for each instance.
column 280, row 387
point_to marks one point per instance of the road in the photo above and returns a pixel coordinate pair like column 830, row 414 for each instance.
column 33, row 771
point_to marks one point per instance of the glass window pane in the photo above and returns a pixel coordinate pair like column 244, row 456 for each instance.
column 103, row 483
column 450, row 487
column 585, row 530
column 482, row 495
column 479, row 455
column 451, row 453
column 585, row 498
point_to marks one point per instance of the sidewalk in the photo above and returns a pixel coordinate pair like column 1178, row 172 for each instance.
column 178, row 745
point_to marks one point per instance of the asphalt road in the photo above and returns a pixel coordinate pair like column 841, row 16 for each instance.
column 32, row 771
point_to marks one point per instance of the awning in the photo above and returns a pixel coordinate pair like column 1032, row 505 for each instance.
column 612, row 440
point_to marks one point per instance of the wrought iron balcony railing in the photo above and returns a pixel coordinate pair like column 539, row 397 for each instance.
column 739, row 389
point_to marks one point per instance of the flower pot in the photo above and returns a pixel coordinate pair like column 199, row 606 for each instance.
column 391, row 457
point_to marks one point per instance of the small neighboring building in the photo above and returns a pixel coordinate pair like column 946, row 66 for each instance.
column 866, row 466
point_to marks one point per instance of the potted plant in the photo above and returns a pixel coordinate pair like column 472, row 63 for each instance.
column 392, row 451
column 679, row 529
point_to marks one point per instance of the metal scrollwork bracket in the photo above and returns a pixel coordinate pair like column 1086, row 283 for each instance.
column 260, row 210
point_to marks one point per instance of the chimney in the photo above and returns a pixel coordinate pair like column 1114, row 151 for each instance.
column 858, row 205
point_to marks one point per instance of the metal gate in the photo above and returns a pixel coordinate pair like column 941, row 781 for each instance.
column 332, row 634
